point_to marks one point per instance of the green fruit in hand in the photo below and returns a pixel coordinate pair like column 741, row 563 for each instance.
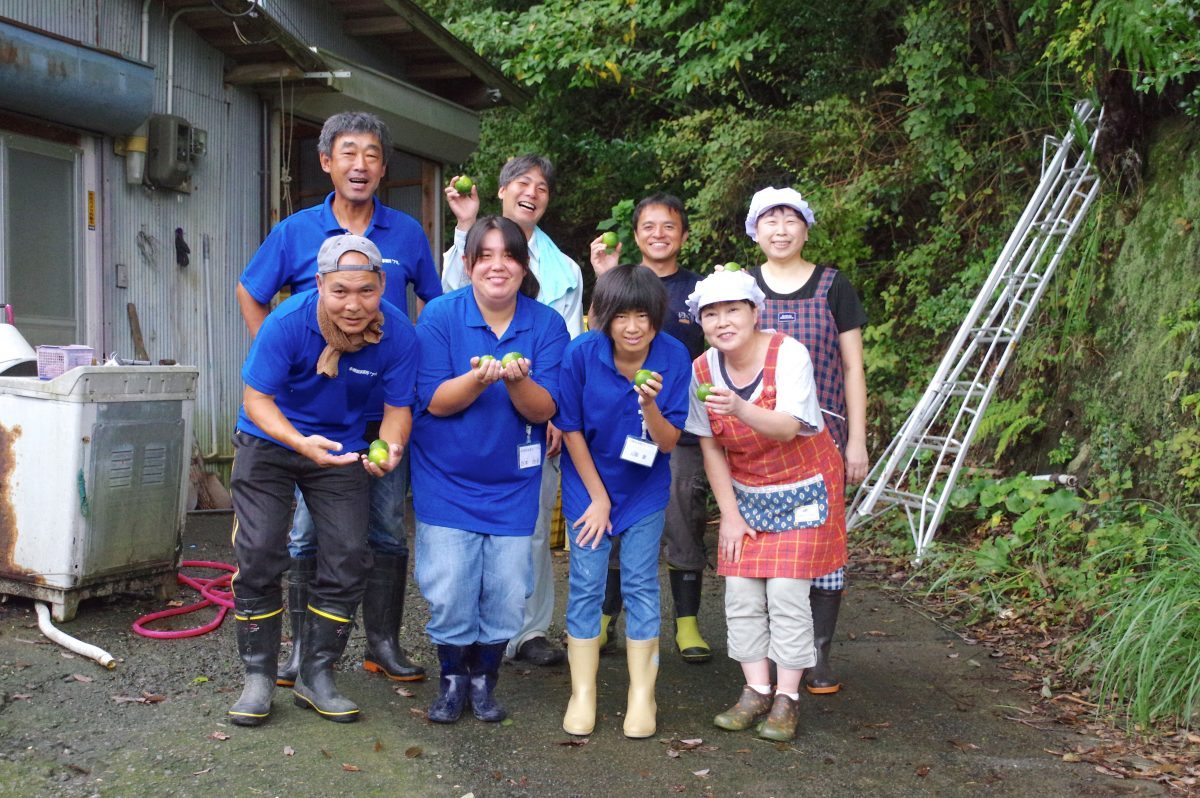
column 643, row 376
column 733, row 267
column 380, row 452
column 511, row 357
column 610, row 240
column 464, row 185
column 483, row 359
column 703, row 390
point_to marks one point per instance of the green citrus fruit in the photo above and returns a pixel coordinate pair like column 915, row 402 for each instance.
column 511, row 357
column 380, row 452
column 483, row 359
column 703, row 390
column 733, row 267
column 610, row 240
column 464, row 185
column 643, row 376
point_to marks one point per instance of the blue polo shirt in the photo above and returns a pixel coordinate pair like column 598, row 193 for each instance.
column 597, row 400
column 283, row 363
column 289, row 255
column 465, row 471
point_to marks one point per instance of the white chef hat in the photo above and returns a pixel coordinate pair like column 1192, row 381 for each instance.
column 772, row 197
column 724, row 286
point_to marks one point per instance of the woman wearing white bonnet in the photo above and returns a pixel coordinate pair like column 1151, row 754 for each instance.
column 777, row 478
column 816, row 305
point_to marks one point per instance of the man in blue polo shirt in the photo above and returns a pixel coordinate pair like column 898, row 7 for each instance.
column 660, row 228
column 311, row 376
column 353, row 148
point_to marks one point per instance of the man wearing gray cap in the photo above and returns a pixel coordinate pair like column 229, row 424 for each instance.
column 314, row 368
column 353, row 148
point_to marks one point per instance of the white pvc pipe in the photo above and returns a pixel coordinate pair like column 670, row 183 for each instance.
column 68, row 642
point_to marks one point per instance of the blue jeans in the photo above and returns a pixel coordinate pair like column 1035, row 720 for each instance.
column 385, row 529
column 639, row 581
column 475, row 584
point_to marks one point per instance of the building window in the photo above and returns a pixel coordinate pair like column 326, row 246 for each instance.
column 40, row 218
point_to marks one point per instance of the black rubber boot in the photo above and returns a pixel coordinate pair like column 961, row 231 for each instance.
column 259, row 622
column 819, row 679
column 326, row 632
column 452, row 686
column 685, row 589
column 483, row 664
column 299, row 575
column 382, row 610
column 610, row 609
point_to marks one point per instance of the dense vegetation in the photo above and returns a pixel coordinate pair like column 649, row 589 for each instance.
column 915, row 129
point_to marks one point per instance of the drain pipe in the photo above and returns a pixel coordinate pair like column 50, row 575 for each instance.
column 68, row 642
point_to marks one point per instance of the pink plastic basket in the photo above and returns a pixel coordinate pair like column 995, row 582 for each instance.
column 55, row 360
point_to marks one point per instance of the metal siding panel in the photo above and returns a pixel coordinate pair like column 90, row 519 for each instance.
column 177, row 309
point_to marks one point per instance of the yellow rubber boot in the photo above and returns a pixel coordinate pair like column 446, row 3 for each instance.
column 605, row 620
column 641, row 711
column 584, row 659
column 691, row 645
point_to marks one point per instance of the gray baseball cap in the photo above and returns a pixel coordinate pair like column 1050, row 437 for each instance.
column 336, row 246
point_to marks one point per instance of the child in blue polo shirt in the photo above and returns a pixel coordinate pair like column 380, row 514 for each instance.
column 622, row 405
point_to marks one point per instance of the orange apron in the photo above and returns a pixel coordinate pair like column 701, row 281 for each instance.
column 760, row 463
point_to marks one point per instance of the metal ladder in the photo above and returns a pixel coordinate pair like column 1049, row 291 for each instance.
column 921, row 464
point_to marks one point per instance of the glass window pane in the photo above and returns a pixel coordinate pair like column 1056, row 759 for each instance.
column 40, row 249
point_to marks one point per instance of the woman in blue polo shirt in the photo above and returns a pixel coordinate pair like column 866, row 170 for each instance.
column 486, row 386
column 622, row 404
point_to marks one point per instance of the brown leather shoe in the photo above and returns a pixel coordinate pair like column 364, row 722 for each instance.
column 751, row 707
column 780, row 725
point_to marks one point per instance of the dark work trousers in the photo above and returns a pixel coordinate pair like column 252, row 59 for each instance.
column 265, row 476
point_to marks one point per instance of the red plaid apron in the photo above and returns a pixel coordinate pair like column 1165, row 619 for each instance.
column 811, row 322
column 755, row 461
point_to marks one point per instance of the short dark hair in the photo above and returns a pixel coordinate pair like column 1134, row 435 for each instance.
column 627, row 288
column 353, row 122
column 515, row 245
column 515, row 167
column 669, row 201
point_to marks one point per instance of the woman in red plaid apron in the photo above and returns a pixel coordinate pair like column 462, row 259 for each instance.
column 818, row 307
column 777, row 477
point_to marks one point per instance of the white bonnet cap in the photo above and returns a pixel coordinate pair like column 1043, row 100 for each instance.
column 724, row 286
column 771, row 197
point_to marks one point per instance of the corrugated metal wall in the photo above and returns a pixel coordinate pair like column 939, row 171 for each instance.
column 187, row 313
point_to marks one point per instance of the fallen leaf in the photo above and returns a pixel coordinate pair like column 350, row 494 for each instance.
column 961, row 746
column 413, row 751
column 21, row 696
column 1071, row 757
column 574, row 743
column 742, row 751
column 289, row 751
column 878, row 633
column 701, row 773
column 79, row 677
column 974, row 663
column 201, row 772
column 152, row 698
column 174, row 603
column 923, row 771
column 378, row 745
column 952, row 656
column 404, row 691
column 66, row 655
column 346, row 766
column 218, row 735
column 672, row 753
column 326, row 754
column 416, row 712
column 887, row 724
column 678, row 788
column 200, row 680
column 22, row 665
column 506, row 722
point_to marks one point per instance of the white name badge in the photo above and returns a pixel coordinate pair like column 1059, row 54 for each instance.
column 639, row 451
column 808, row 513
column 529, row 455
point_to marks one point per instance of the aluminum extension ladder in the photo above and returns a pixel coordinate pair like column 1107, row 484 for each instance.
column 920, row 466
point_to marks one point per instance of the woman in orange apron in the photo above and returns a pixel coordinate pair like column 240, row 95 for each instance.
column 778, row 479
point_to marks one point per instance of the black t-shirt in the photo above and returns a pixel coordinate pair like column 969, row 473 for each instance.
column 847, row 310
column 679, row 323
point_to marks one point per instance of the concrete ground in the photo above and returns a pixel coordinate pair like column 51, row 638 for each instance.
column 922, row 713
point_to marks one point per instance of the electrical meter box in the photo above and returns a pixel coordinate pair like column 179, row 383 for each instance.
column 93, row 486
column 172, row 152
